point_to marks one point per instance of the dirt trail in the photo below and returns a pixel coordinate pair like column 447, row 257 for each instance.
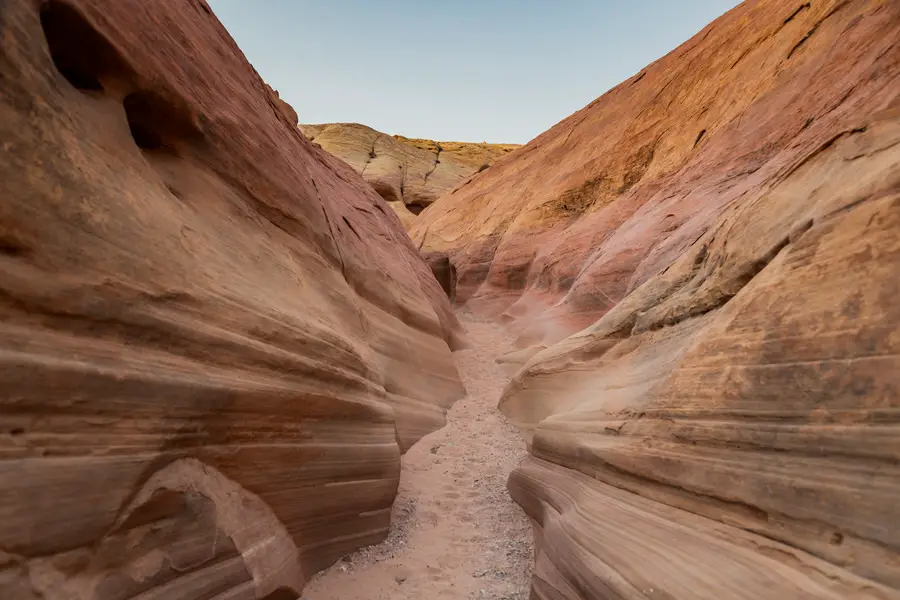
column 456, row 533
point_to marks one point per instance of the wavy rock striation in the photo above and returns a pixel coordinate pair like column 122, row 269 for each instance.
column 215, row 339
column 703, row 267
column 408, row 173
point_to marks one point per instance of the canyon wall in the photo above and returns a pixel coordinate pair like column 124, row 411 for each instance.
column 215, row 338
column 409, row 173
column 703, row 267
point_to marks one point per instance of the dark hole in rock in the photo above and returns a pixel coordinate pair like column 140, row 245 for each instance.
column 699, row 137
column 387, row 191
column 415, row 208
column 79, row 52
column 155, row 123
column 837, row 538
column 144, row 136
column 12, row 247
column 16, row 431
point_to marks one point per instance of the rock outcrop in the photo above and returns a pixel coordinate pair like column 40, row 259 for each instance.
column 215, row 338
column 409, row 173
column 704, row 267
column 286, row 109
column 444, row 271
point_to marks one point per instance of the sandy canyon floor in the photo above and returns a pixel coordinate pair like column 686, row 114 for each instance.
column 456, row 533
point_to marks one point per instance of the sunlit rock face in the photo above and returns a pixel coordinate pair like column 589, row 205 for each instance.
column 409, row 173
column 703, row 266
column 215, row 339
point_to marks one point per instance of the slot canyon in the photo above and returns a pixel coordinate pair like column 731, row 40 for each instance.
column 652, row 354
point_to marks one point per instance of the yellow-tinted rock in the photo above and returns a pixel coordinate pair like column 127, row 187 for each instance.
column 405, row 171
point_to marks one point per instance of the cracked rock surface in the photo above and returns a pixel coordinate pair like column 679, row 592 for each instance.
column 409, row 173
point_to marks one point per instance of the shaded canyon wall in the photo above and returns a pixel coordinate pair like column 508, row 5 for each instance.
column 215, row 338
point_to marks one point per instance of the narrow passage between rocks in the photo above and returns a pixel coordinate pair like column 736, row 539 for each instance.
column 456, row 533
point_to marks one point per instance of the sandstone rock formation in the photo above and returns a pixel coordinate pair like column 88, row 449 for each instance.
column 409, row 173
column 215, row 338
column 704, row 267
column 286, row 109
column 443, row 271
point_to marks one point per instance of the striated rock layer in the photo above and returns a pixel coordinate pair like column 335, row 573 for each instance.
column 286, row 109
column 409, row 173
column 215, row 338
column 704, row 267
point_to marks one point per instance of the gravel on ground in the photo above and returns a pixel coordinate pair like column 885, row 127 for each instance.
column 456, row 534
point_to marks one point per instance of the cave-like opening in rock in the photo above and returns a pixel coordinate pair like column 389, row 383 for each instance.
column 80, row 53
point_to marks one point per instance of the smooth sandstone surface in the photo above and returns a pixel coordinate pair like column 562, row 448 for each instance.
column 444, row 271
column 703, row 266
column 409, row 173
column 215, row 338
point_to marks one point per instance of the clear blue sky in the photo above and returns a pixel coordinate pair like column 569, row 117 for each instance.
column 466, row 70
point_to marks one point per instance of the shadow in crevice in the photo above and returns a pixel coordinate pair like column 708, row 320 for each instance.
column 81, row 54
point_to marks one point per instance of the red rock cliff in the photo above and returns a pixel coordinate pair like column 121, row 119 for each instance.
column 215, row 339
column 704, row 266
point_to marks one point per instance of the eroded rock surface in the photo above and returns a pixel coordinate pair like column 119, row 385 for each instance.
column 282, row 105
column 704, row 269
column 409, row 173
column 443, row 271
column 215, row 339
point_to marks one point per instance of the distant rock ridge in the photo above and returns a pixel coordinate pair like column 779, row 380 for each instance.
column 283, row 106
column 409, row 173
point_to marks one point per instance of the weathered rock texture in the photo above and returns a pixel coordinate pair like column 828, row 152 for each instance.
column 704, row 266
column 443, row 271
column 215, row 338
column 286, row 109
column 409, row 173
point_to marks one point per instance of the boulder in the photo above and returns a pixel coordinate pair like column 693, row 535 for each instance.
column 207, row 324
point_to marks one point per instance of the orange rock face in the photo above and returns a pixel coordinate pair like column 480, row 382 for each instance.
column 215, row 339
column 704, row 267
